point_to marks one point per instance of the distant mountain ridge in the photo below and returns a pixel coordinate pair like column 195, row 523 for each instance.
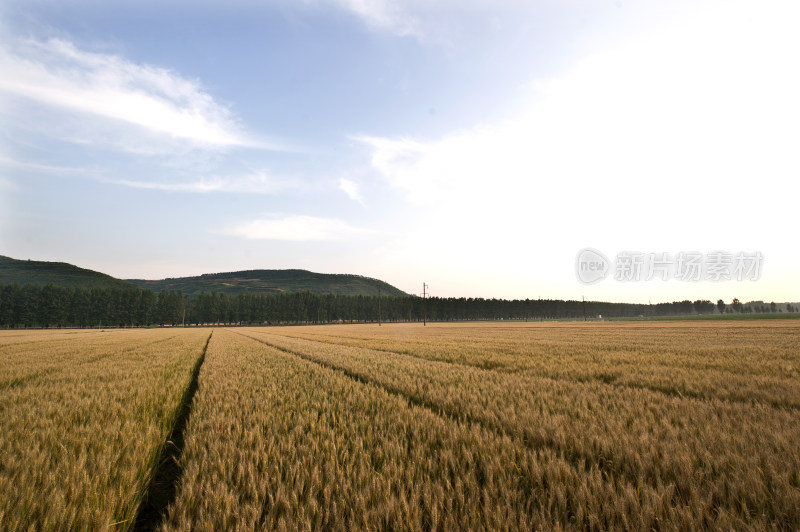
column 231, row 283
column 274, row 281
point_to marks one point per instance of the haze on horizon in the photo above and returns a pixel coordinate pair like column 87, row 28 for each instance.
column 476, row 146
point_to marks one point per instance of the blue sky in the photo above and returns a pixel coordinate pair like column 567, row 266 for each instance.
column 476, row 146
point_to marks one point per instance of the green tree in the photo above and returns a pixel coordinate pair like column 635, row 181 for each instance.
column 8, row 296
column 703, row 306
column 26, row 305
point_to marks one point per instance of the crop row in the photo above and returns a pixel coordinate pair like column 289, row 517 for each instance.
column 709, row 457
column 743, row 361
column 447, row 427
column 22, row 362
column 278, row 442
column 79, row 441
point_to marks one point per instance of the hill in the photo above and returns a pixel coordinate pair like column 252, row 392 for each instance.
column 231, row 283
column 273, row 281
column 57, row 273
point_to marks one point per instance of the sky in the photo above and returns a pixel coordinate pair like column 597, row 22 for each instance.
column 475, row 146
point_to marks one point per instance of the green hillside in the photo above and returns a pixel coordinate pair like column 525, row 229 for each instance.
column 57, row 273
column 232, row 283
column 273, row 281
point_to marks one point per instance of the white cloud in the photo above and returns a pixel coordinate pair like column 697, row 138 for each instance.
column 710, row 107
column 351, row 189
column 297, row 228
column 635, row 146
column 60, row 75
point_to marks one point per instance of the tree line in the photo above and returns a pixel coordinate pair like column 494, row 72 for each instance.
column 34, row 305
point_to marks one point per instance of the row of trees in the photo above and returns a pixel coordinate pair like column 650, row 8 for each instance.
column 212, row 307
column 33, row 305
column 54, row 306
column 758, row 307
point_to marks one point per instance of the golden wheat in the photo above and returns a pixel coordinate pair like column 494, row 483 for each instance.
column 677, row 425
column 714, row 457
column 277, row 442
column 724, row 360
column 82, row 420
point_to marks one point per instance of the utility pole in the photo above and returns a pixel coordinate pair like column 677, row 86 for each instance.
column 584, row 308
column 424, row 306
column 185, row 304
column 379, row 306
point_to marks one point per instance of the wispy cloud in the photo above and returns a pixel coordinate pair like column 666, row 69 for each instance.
column 441, row 22
column 402, row 162
column 259, row 182
column 256, row 183
column 297, row 228
column 351, row 189
column 7, row 184
column 16, row 164
column 58, row 74
column 384, row 15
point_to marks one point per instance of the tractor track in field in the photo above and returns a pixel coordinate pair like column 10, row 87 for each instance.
column 163, row 485
column 599, row 380
column 580, row 461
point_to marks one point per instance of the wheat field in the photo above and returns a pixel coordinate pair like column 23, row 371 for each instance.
column 492, row 426
column 83, row 417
